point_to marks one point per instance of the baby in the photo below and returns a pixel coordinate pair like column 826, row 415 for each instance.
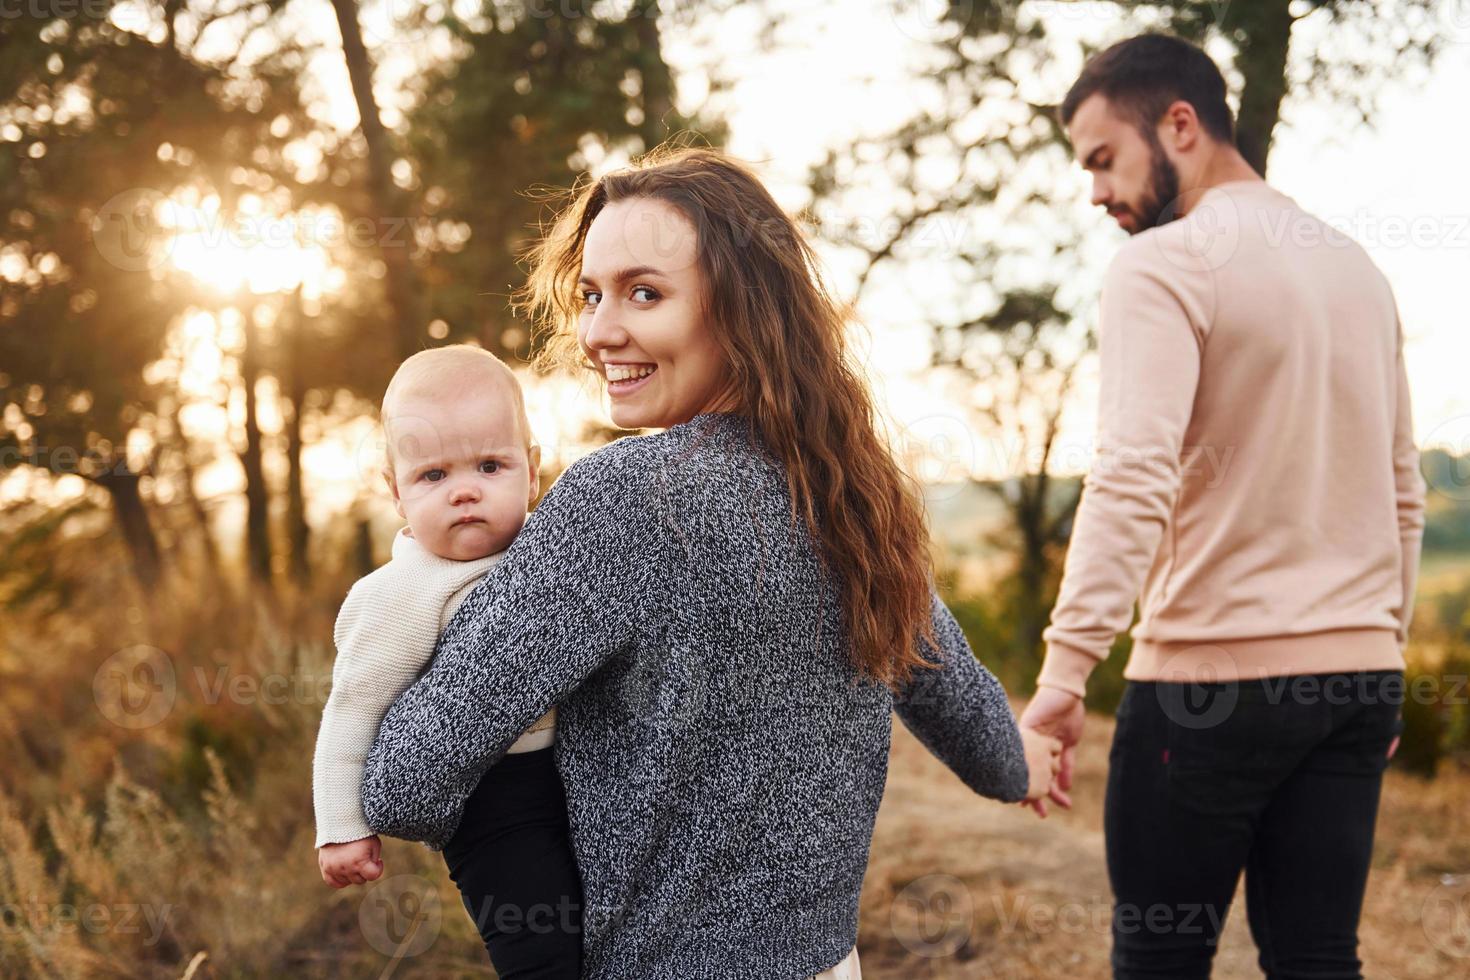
column 462, row 470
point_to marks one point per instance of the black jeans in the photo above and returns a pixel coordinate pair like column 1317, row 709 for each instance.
column 1278, row 777
column 512, row 861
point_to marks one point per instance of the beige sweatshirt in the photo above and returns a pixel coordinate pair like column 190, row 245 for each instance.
column 1256, row 484
column 385, row 633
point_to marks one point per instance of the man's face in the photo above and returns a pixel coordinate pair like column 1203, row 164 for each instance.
column 1132, row 177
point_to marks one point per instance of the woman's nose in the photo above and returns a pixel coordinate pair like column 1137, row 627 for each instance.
column 604, row 330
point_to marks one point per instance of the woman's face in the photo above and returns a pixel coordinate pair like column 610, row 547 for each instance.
column 643, row 324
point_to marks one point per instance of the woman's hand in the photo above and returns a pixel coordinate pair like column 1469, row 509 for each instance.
column 1059, row 714
column 352, row 863
column 1043, row 761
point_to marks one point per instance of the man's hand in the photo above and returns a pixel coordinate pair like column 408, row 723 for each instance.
column 1060, row 715
column 353, row 863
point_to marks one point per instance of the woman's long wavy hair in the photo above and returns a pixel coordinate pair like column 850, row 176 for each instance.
column 784, row 339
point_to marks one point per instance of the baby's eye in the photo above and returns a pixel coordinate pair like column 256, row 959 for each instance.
column 433, row 476
column 494, row 466
column 649, row 290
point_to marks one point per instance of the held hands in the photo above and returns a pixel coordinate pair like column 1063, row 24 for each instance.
column 1043, row 760
column 1057, row 714
column 353, row 863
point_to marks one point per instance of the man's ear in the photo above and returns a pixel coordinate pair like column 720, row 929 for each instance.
column 393, row 489
column 1180, row 128
column 533, row 467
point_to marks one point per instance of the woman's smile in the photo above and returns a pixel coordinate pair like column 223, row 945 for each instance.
column 624, row 379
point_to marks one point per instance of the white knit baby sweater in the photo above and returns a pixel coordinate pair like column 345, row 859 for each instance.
column 386, row 633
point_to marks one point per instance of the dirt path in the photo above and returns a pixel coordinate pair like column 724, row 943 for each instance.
column 959, row 886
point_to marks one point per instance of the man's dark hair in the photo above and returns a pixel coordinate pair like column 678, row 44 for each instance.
column 1144, row 75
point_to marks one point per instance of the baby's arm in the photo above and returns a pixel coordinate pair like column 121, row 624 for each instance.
column 383, row 643
column 960, row 713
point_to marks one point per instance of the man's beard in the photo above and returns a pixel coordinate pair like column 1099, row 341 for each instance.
column 1160, row 204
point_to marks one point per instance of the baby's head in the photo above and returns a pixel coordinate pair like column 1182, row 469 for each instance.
column 461, row 464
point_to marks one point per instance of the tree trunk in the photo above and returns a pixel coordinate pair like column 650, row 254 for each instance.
column 1265, row 27
column 658, row 95
column 1030, row 516
column 383, row 195
column 191, row 499
column 362, row 546
column 121, row 484
column 299, row 534
column 257, row 497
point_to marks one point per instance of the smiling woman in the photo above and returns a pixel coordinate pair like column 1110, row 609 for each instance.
column 709, row 608
column 642, row 321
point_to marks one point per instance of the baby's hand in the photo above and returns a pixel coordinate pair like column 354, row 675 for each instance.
column 1043, row 759
column 354, row 863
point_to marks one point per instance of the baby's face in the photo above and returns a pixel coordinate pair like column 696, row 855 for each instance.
column 461, row 475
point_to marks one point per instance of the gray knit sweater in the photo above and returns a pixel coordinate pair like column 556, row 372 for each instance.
column 722, row 760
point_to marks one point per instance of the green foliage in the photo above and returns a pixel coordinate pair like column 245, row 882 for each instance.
column 528, row 104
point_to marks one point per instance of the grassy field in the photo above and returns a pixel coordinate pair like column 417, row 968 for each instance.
column 155, row 821
column 960, row 887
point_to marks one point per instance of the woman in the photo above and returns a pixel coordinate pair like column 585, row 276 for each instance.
column 724, row 613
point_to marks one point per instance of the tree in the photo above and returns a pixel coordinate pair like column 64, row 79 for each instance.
column 529, row 101
column 383, row 197
column 968, row 190
column 101, row 125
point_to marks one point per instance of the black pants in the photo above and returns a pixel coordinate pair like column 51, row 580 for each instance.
column 1278, row 777
column 512, row 860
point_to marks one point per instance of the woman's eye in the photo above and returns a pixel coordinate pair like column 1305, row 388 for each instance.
column 433, row 476
column 651, row 293
column 494, row 466
column 590, row 298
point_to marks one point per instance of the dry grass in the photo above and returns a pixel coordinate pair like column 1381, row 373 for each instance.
column 183, row 847
column 962, row 887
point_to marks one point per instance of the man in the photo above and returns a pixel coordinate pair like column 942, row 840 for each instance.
column 1256, row 487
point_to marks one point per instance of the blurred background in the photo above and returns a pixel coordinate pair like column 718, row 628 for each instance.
column 224, row 222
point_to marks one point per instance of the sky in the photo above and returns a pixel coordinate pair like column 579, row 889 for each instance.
column 1400, row 187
